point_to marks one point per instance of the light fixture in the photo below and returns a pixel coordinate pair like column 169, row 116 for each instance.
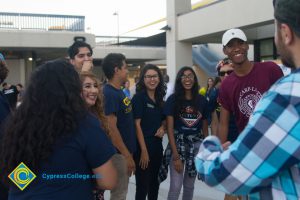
column 118, row 34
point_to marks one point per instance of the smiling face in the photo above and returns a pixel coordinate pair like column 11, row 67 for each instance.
column 151, row 79
column 187, row 79
column 90, row 91
column 237, row 51
column 225, row 70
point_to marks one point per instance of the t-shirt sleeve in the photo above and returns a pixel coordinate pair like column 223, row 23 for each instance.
column 276, row 73
column 111, row 102
column 137, row 104
column 169, row 106
column 98, row 147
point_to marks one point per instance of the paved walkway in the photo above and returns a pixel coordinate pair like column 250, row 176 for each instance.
column 201, row 191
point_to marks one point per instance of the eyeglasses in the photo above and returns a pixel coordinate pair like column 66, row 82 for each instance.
column 222, row 73
column 151, row 76
column 185, row 77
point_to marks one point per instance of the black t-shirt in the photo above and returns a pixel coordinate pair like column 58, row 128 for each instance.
column 151, row 116
column 76, row 155
column 4, row 108
column 149, row 112
column 189, row 120
column 12, row 95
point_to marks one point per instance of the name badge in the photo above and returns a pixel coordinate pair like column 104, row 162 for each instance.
column 150, row 105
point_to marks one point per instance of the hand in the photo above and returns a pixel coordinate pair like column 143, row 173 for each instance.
column 160, row 132
column 226, row 145
column 130, row 165
column 178, row 165
column 144, row 160
column 87, row 66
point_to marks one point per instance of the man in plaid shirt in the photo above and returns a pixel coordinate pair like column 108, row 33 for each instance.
column 264, row 162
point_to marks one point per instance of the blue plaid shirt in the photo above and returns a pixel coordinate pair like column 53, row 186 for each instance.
column 264, row 162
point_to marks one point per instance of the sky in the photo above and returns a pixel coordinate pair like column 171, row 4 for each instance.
column 99, row 18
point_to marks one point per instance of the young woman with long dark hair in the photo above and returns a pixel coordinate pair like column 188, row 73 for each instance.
column 186, row 113
column 149, row 122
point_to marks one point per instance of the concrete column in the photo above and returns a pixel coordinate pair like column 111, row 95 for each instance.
column 178, row 53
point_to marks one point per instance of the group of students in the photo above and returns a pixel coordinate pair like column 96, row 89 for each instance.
column 68, row 123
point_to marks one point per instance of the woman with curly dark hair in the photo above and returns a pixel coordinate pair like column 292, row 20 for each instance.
column 55, row 136
column 186, row 112
column 149, row 119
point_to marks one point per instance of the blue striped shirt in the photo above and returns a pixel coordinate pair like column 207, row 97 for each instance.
column 264, row 162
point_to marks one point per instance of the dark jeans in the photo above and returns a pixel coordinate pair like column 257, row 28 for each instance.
column 147, row 180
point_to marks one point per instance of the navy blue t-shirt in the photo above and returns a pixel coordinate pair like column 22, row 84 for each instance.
column 11, row 95
column 4, row 112
column 73, row 156
column 149, row 112
column 118, row 104
column 189, row 120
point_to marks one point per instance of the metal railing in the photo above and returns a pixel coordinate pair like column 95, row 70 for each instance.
column 23, row 21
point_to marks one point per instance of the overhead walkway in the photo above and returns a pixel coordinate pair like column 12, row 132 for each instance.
column 28, row 40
